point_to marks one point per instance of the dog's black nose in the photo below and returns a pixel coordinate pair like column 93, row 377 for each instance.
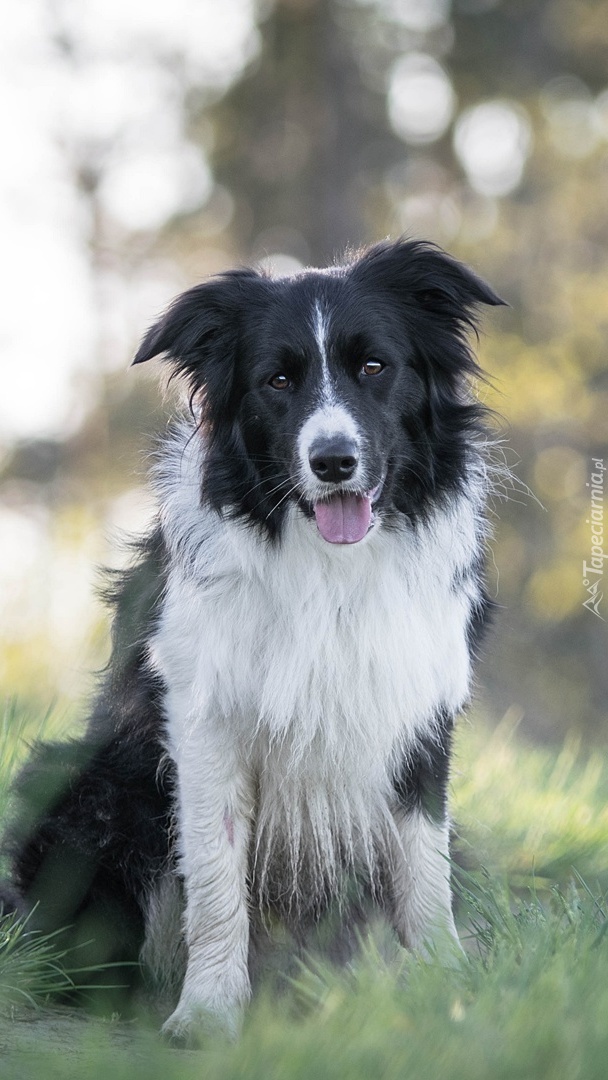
column 333, row 459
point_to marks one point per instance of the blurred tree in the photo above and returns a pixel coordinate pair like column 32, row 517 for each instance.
column 294, row 137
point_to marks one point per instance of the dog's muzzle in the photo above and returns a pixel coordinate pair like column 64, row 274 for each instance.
column 342, row 516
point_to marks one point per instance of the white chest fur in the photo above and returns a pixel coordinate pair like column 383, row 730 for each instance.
column 320, row 656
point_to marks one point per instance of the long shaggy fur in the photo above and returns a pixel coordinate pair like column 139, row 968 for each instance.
column 294, row 640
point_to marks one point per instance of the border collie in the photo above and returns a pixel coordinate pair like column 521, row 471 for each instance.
column 294, row 641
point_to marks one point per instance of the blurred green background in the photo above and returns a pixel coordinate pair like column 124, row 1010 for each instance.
column 147, row 147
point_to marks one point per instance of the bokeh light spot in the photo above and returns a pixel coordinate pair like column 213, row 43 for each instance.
column 421, row 99
column 144, row 189
column 492, row 142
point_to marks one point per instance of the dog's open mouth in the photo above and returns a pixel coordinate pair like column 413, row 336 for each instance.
column 346, row 517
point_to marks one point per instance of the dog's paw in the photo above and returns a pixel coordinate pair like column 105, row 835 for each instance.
column 193, row 1022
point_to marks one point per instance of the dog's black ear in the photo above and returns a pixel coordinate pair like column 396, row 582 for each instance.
column 421, row 274
column 448, row 287
column 182, row 329
column 199, row 332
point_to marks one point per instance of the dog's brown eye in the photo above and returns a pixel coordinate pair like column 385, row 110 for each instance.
column 372, row 367
column 279, row 382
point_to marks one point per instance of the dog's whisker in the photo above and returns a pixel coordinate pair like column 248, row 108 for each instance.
column 272, row 490
column 293, row 488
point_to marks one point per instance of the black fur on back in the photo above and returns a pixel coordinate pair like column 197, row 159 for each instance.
column 91, row 823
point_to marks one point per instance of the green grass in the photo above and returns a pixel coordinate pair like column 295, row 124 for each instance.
column 534, row 813
column 529, row 1000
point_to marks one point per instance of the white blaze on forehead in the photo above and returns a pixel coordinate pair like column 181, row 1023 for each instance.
column 331, row 418
column 321, row 327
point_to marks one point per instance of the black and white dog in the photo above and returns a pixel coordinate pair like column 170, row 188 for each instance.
column 294, row 641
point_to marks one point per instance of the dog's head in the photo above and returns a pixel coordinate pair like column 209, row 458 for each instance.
column 344, row 391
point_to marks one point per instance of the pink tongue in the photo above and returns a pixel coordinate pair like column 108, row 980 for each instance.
column 344, row 519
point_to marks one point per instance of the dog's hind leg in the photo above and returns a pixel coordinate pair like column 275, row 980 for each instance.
column 89, row 838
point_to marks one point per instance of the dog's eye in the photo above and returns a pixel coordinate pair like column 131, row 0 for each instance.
column 372, row 367
column 279, row 382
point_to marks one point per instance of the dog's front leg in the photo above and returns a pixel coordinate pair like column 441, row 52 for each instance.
column 214, row 823
column 421, row 893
